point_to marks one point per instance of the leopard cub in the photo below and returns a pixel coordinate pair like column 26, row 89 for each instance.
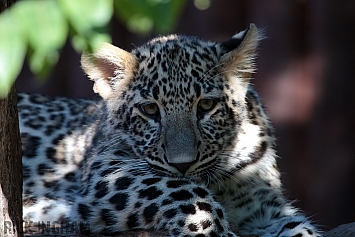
column 178, row 142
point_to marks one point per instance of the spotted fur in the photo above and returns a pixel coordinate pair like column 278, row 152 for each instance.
column 180, row 142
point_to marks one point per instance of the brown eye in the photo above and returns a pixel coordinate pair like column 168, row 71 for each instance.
column 151, row 110
column 206, row 105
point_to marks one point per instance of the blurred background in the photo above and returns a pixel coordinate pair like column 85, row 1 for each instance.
column 305, row 76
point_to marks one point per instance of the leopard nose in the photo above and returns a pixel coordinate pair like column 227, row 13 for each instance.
column 182, row 167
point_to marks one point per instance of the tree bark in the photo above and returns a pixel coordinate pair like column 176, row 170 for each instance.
column 10, row 162
column 10, row 168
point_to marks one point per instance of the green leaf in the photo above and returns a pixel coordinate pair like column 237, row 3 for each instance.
column 166, row 14
column 87, row 17
column 42, row 61
column 87, row 14
column 90, row 43
column 142, row 16
column 46, row 30
column 42, row 26
column 12, row 51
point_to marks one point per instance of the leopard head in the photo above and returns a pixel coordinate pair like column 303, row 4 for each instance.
column 178, row 101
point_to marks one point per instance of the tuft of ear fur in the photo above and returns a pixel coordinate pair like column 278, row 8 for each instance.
column 109, row 67
column 238, row 59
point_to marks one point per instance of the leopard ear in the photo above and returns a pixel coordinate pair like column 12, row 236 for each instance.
column 109, row 67
column 238, row 55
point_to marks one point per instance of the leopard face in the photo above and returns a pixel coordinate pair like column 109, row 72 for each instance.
column 173, row 102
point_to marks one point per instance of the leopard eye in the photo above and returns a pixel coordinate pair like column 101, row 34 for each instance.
column 206, row 105
column 150, row 110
